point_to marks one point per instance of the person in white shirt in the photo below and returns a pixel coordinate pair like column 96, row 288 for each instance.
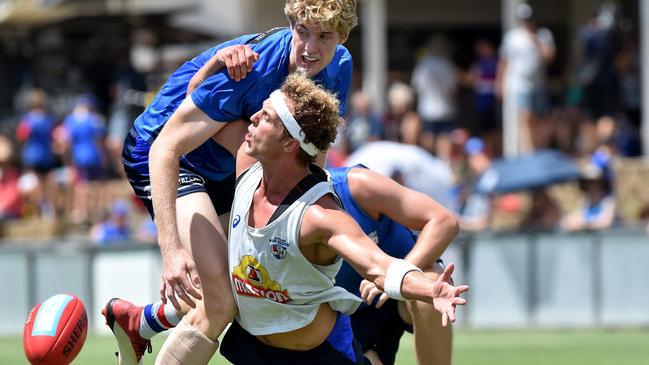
column 525, row 51
column 288, row 235
column 435, row 82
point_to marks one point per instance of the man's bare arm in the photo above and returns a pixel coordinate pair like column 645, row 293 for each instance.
column 379, row 195
column 187, row 128
column 339, row 232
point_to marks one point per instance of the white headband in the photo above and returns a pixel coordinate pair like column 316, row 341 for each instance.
column 290, row 123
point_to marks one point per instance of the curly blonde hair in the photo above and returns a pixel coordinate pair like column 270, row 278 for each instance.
column 315, row 110
column 329, row 14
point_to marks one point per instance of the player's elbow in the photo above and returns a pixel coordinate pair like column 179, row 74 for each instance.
column 447, row 222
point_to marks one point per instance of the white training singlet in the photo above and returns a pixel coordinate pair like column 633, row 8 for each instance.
column 277, row 289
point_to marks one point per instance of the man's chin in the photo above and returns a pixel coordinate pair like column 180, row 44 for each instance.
column 310, row 70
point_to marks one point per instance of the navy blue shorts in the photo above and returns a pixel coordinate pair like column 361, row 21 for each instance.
column 241, row 348
column 90, row 173
column 439, row 127
column 380, row 329
column 136, row 165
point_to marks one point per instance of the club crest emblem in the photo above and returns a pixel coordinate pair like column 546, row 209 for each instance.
column 278, row 247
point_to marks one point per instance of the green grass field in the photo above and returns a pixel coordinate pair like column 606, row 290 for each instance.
column 565, row 347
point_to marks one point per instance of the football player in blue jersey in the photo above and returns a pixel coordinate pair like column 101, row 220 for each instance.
column 179, row 159
column 389, row 213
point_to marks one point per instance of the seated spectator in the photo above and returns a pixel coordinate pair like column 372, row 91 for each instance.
column 475, row 214
column 544, row 213
column 596, row 210
column 114, row 229
column 364, row 125
column 147, row 232
column 401, row 122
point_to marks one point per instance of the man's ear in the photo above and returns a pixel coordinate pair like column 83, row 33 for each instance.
column 343, row 38
column 291, row 144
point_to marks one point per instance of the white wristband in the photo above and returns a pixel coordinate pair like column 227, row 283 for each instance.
column 394, row 277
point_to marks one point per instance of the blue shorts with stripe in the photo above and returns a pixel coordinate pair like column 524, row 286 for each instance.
column 135, row 158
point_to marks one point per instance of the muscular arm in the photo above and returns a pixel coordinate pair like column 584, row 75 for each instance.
column 187, row 128
column 379, row 195
column 325, row 224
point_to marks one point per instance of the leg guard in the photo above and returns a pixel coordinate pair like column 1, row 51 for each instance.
column 186, row 346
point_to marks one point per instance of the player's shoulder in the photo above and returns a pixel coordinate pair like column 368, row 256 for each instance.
column 271, row 35
column 342, row 58
column 322, row 213
column 340, row 66
column 270, row 40
column 343, row 53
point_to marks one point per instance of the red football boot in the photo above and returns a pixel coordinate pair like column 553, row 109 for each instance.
column 123, row 318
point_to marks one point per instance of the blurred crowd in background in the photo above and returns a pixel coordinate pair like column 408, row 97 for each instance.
column 60, row 164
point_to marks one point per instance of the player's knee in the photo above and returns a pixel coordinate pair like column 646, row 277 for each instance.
column 217, row 307
column 210, row 322
column 413, row 310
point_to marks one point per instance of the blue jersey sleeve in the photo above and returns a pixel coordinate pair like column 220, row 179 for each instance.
column 344, row 81
column 222, row 98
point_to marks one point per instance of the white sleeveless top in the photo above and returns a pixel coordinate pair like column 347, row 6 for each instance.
column 275, row 287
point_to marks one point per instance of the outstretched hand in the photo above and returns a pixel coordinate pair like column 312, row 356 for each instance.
column 179, row 278
column 446, row 296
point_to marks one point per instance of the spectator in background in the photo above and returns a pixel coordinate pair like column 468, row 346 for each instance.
column 475, row 214
column 615, row 137
column 363, row 125
column 596, row 210
column 85, row 132
column 525, row 51
column 482, row 78
column 10, row 201
column 35, row 132
column 544, row 213
column 147, row 232
column 402, row 124
column 435, row 82
column 596, row 74
column 114, row 229
column 627, row 64
column 127, row 92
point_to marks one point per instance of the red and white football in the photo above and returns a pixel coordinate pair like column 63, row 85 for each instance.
column 55, row 330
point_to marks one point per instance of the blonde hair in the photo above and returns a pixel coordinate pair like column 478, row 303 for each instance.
column 329, row 14
column 401, row 95
column 315, row 110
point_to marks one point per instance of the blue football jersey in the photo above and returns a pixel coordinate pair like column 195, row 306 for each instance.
column 225, row 100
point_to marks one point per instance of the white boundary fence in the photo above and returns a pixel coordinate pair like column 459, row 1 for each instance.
column 517, row 280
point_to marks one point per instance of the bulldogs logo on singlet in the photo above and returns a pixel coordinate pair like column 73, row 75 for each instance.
column 278, row 247
column 251, row 279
